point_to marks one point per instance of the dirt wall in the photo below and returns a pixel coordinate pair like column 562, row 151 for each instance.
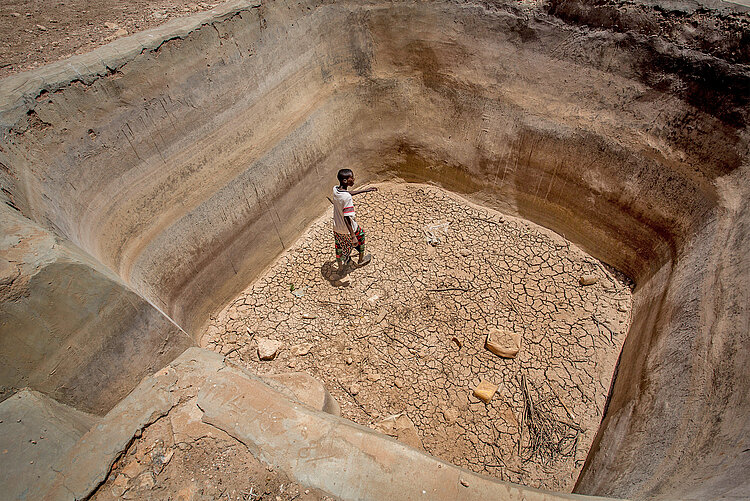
column 185, row 159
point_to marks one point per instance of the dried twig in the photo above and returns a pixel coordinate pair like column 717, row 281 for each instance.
column 549, row 436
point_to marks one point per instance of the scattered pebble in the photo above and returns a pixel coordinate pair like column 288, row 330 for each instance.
column 485, row 390
column 503, row 342
column 268, row 348
column 588, row 279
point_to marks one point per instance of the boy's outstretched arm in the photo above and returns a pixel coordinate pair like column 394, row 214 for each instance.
column 357, row 192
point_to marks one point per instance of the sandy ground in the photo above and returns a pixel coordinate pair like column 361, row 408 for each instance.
column 405, row 335
column 33, row 33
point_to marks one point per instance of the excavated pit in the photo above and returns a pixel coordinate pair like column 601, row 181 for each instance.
column 405, row 335
column 147, row 183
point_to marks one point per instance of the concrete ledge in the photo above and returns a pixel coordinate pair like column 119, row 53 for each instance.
column 317, row 449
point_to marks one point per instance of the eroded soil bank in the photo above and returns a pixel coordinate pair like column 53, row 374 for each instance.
column 406, row 334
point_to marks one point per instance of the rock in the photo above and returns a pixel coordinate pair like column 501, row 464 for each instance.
column 485, row 391
column 374, row 377
column 457, row 342
column 401, row 428
column 146, row 481
column 132, row 469
column 398, row 382
column 121, row 32
column 120, row 485
column 41, row 27
column 268, row 348
column 464, row 483
column 354, row 389
column 111, row 26
column 465, row 252
column 503, row 343
column 309, row 316
column 300, row 350
column 588, row 279
column 349, row 360
column 622, row 307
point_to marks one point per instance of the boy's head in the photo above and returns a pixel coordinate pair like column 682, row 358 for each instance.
column 346, row 177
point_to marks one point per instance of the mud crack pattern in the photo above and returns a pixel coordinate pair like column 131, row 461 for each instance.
column 406, row 333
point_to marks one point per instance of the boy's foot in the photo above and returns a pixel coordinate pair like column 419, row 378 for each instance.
column 343, row 265
column 364, row 260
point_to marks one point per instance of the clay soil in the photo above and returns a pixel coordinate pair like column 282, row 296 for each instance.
column 405, row 335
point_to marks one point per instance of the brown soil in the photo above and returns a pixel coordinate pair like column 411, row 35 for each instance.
column 34, row 32
column 179, row 458
column 385, row 337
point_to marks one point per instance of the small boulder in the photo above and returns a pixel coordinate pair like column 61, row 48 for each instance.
column 401, row 428
column 485, row 391
column 503, row 343
column 300, row 350
column 465, row 252
column 588, row 279
column 268, row 348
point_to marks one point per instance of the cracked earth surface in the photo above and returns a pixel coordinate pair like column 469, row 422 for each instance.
column 406, row 333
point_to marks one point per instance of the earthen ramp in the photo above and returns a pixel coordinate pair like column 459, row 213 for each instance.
column 149, row 181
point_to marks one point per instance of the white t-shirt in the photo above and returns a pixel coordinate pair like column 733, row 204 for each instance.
column 343, row 205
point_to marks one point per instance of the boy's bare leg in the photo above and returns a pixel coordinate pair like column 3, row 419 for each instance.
column 363, row 258
column 342, row 262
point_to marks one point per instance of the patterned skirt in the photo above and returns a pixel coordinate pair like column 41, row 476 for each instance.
column 344, row 243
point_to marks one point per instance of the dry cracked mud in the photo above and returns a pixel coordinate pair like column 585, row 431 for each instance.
column 405, row 335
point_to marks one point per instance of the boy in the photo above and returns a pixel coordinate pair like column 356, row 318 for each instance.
column 346, row 231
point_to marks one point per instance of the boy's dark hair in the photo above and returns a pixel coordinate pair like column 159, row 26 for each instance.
column 344, row 174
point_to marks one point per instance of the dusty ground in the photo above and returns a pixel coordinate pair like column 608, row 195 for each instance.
column 385, row 338
column 180, row 458
column 33, row 33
